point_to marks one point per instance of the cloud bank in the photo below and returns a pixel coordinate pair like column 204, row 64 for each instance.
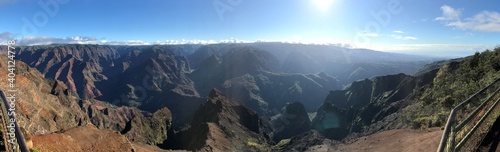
column 486, row 21
column 44, row 40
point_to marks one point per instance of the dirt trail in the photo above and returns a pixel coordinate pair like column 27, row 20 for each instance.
column 399, row 140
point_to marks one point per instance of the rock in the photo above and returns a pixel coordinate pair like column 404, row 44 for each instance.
column 223, row 124
column 135, row 124
column 293, row 121
column 303, row 141
column 84, row 139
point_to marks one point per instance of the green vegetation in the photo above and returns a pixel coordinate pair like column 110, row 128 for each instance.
column 283, row 142
column 258, row 146
column 454, row 83
column 34, row 150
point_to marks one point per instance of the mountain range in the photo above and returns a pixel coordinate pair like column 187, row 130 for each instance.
column 255, row 96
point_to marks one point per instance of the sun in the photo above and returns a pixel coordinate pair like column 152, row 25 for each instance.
column 323, row 5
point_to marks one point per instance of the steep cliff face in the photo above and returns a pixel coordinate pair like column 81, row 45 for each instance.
column 39, row 111
column 223, row 124
column 151, row 78
column 149, row 72
column 78, row 66
column 44, row 107
column 365, row 103
column 122, row 75
column 292, row 121
column 136, row 125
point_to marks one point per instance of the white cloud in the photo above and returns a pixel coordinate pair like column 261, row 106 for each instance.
column 43, row 40
column 4, row 37
column 400, row 37
column 439, row 50
column 437, row 47
column 486, row 21
column 128, row 42
column 409, row 38
column 399, row 32
column 449, row 13
column 174, row 42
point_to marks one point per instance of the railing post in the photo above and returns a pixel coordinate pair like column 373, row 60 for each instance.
column 451, row 147
column 444, row 144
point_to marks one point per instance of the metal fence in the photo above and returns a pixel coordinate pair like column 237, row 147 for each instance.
column 21, row 142
column 470, row 121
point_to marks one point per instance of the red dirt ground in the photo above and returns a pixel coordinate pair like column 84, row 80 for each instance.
column 399, row 140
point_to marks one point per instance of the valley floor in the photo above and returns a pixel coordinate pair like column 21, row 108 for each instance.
column 399, row 140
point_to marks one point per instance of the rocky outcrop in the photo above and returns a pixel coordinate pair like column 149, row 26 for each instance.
column 37, row 110
column 136, row 125
column 293, row 121
column 303, row 142
column 365, row 103
column 223, row 124
column 83, row 139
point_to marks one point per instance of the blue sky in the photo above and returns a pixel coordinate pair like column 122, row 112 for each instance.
column 385, row 25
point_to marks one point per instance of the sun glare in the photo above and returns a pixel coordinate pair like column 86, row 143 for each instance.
column 323, row 5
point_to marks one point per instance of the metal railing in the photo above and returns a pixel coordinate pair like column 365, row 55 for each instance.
column 19, row 135
column 468, row 117
column 4, row 128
